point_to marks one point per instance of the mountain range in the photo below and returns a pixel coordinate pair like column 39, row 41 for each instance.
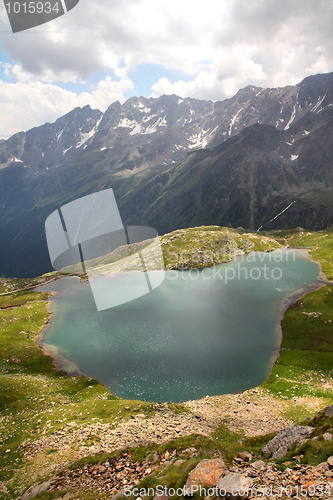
column 261, row 160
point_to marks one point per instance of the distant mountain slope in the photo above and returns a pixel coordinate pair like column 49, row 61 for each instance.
column 49, row 145
column 147, row 132
column 262, row 178
column 267, row 163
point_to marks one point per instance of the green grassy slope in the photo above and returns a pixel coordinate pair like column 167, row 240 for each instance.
column 305, row 364
column 209, row 245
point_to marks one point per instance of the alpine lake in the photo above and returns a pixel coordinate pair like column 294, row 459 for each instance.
column 201, row 332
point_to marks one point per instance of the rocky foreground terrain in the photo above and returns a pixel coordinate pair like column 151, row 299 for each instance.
column 261, row 479
column 253, row 412
column 248, row 476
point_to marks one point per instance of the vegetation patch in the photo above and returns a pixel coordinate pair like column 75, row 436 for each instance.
column 305, row 365
column 205, row 246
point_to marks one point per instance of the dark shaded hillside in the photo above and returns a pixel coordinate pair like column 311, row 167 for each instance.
column 247, row 181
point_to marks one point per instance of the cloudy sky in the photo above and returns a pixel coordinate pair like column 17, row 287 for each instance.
column 102, row 51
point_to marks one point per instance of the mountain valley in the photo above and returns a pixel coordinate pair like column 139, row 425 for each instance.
column 261, row 160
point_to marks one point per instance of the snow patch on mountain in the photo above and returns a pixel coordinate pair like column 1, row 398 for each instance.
column 148, row 118
column 87, row 135
column 59, row 134
column 319, row 102
column 278, row 215
column 137, row 128
column 143, row 108
column 292, row 118
column 65, row 150
column 233, row 120
column 198, row 140
column 201, row 139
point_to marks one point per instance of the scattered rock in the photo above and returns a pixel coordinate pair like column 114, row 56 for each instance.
column 259, row 465
column 266, row 485
column 328, row 411
column 3, row 488
column 207, row 472
column 327, row 436
column 36, row 490
column 245, row 456
column 190, row 450
column 161, row 497
column 71, row 424
column 285, row 439
column 235, row 486
column 162, row 427
column 111, row 480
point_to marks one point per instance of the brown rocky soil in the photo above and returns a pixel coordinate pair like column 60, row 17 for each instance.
column 254, row 412
column 267, row 482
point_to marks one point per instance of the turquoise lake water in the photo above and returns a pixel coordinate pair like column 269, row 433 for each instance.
column 206, row 332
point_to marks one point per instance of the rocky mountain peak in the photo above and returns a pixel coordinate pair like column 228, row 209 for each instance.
column 144, row 132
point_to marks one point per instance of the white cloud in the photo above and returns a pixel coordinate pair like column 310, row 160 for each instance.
column 26, row 104
column 217, row 46
column 182, row 35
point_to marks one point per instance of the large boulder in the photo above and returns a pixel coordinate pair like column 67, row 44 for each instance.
column 206, row 473
column 285, row 438
column 235, row 486
column 327, row 411
column 36, row 490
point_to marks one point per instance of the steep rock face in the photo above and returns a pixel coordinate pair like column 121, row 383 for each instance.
column 146, row 132
column 260, row 179
column 51, row 144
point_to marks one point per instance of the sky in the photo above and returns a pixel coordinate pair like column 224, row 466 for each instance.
column 104, row 51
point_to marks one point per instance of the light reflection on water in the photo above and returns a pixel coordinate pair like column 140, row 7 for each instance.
column 200, row 333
